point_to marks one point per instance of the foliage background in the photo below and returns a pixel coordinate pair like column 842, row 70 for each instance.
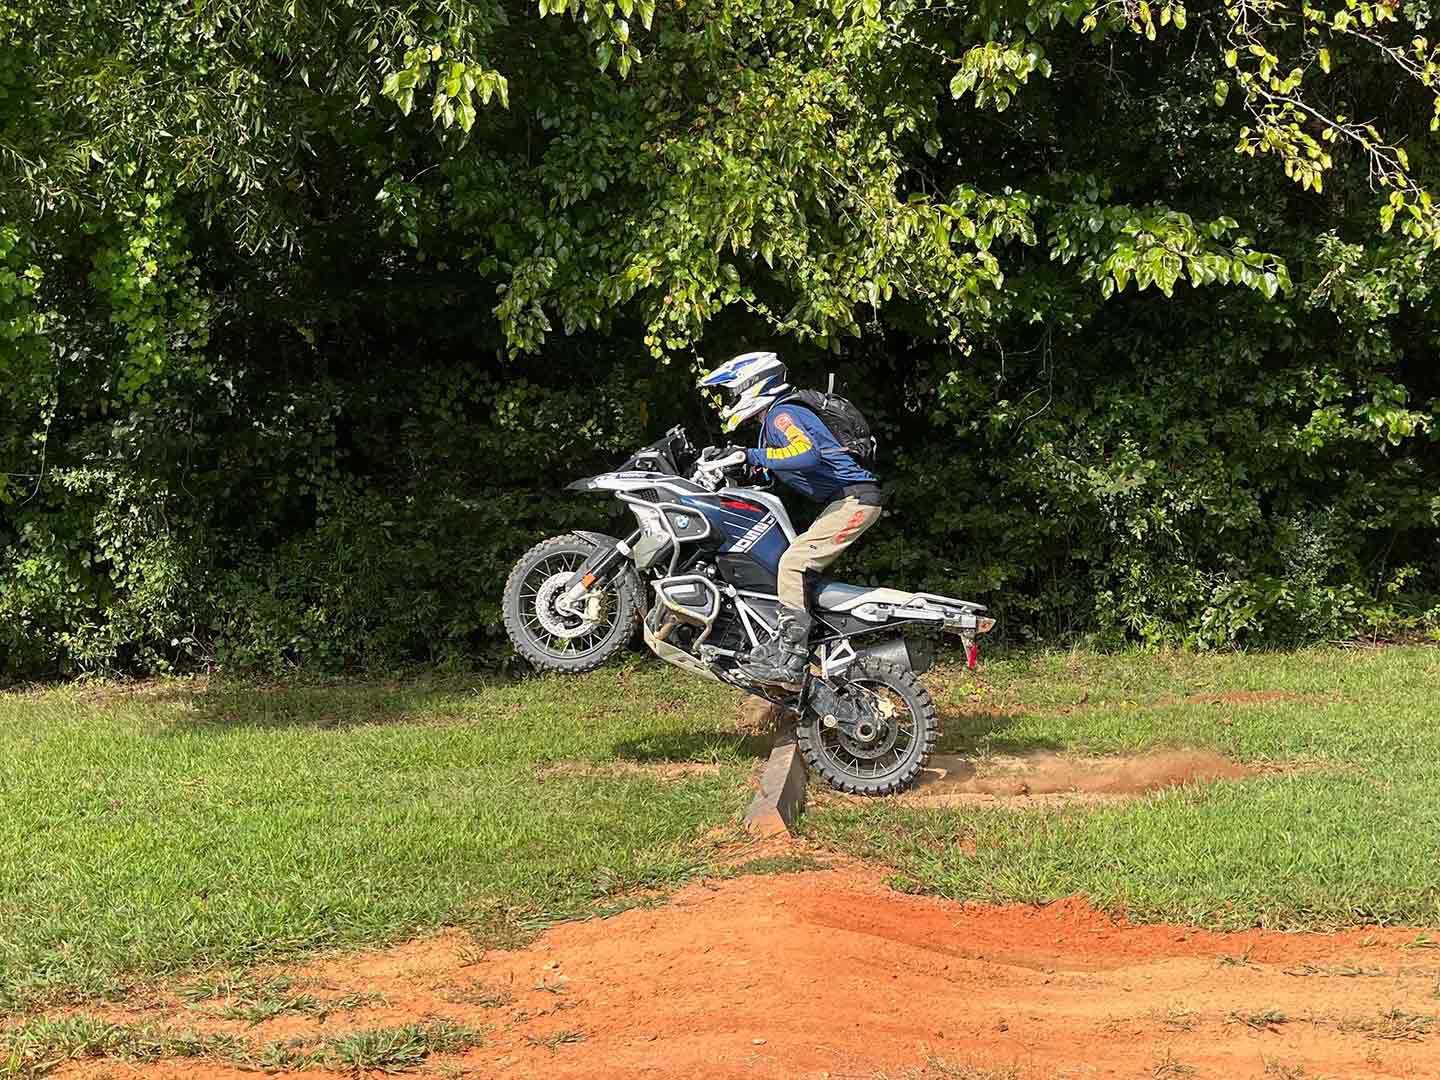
column 308, row 310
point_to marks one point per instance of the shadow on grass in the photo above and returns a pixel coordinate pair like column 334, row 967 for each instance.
column 327, row 705
column 984, row 732
column 694, row 746
column 962, row 732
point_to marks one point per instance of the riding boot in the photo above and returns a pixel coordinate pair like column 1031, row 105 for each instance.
column 781, row 661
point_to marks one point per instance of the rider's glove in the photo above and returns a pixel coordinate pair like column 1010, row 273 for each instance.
column 713, row 465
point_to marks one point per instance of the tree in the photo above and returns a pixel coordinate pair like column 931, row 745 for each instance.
column 223, row 224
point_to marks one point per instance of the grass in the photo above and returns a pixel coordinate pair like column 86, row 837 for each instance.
column 189, row 825
column 773, row 864
column 40, row 1046
column 255, row 1000
column 1391, row 1025
column 938, row 1068
column 1168, row 1068
column 1260, row 1020
column 556, row 1039
column 387, row 1050
column 1347, row 839
column 1176, row 1018
column 485, row 995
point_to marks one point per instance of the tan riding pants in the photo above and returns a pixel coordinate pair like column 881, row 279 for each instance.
column 838, row 526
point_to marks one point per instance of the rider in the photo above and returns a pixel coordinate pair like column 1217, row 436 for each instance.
column 803, row 453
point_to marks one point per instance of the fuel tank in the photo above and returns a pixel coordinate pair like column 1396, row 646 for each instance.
column 751, row 531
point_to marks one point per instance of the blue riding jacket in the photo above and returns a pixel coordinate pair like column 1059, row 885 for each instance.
column 804, row 454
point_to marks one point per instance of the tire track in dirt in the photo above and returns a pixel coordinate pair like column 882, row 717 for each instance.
column 832, row 974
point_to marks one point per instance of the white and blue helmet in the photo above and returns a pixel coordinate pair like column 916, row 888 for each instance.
column 754, row 380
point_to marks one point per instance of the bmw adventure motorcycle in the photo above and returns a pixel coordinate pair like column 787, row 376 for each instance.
column 698, row 577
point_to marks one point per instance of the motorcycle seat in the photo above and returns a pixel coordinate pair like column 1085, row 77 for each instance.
column 837, row 596
column 834, row 594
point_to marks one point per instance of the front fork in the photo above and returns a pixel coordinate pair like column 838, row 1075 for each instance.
column 596, row 571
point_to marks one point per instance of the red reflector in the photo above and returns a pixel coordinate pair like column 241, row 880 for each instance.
column 736, row 504
column 972, row 655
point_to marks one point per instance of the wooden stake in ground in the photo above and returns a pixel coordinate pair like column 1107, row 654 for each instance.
column 781, row 797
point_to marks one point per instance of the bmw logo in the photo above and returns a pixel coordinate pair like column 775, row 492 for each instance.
column 682, row 521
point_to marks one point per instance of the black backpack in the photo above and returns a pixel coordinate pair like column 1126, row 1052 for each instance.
column 845, row 421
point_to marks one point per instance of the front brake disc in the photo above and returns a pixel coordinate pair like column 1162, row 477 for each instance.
column 556, row 624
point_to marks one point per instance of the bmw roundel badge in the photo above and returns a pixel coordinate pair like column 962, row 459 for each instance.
column 682, row 521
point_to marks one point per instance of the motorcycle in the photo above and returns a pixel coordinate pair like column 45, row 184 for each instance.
column 708, row 547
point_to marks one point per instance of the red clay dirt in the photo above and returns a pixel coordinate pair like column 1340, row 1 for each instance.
column 830, row 974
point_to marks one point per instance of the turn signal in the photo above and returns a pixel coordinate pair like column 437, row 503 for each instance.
column 984, row 625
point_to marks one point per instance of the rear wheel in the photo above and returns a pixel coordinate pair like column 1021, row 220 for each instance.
column 890, row 761
column 556, row 640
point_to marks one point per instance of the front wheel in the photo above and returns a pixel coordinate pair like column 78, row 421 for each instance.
column 906, row 736
column 554, row 640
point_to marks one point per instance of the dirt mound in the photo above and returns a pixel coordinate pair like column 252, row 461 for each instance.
column 831, row 974
column 953, row 778
column 758, row 716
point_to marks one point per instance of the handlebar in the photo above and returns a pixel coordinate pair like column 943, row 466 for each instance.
column 709, row 473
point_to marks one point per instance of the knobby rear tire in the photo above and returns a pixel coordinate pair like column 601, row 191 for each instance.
column 624, row 596
column 809, row 734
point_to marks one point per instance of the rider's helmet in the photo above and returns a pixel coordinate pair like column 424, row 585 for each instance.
column 753, row 382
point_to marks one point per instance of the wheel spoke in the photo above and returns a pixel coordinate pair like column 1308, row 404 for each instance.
column 902, row 732
column 560, row 634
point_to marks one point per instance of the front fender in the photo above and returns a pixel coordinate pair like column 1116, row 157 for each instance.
column 598, row 539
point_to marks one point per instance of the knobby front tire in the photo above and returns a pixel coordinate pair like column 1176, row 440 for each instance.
column 527, row 632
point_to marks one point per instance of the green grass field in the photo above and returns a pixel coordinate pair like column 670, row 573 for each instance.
column 1350, row 835
column 187, row 825
column 149, row 832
